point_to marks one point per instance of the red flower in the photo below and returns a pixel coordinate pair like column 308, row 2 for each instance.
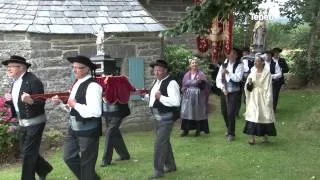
column 11, row 129
column 2, row 101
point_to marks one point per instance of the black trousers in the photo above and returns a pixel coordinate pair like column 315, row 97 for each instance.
column 32, row 162
column 163, row 155
column 241, row 94
column 229, row 105
column 114, row 140
column 275, row 93
column 80, row 154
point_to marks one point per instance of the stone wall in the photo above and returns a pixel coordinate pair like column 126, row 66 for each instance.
column 47, row 55
column 168, row 12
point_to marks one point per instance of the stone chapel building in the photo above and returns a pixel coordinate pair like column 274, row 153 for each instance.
column 46, row 32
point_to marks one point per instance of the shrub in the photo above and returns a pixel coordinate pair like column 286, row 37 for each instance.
column 8, row 130
column 177, row 58
column 300, row 66
column 53, row 137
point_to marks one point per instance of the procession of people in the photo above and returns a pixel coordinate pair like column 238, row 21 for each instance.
column 260, row 76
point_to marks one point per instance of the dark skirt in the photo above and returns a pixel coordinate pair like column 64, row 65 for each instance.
column 259, row 129
column 187, row 125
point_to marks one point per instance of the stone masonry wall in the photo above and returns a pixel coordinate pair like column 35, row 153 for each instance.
column 47, row 55
column 168, row 12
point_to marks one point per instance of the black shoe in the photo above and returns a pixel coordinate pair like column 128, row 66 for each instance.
column 197, row 133
column 122, row 158
column 184, row 133
column 170, row 170
column 104, row 164
column 230, row 138
column 155, row 176
column 43, row 177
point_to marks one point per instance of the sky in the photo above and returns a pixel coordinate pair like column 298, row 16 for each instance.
column 274, row 9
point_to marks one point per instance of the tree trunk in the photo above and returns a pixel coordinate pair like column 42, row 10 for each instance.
column 314, row 34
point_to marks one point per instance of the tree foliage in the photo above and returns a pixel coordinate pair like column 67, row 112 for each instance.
column 199, row 18
column 279, row 36
column 308, row 11
column 299, row 11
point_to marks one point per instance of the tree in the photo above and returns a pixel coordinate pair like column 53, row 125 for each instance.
column 306, row 11
column 199, row 17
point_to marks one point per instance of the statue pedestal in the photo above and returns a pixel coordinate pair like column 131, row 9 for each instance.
column 105, row 64
column 258, row 48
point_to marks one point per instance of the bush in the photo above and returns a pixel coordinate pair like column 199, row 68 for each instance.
column 53, row 137
column 8, row 131
column 300, row 66
column 177, row 58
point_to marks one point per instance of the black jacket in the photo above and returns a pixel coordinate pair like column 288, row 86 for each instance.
column 284, row 69
column 31, row 85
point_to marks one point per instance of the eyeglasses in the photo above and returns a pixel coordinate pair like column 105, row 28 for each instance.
column 13, row 66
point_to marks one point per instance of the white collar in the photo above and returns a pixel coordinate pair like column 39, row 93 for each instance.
column 162, row 79
column 20, row 78
column 84, row 78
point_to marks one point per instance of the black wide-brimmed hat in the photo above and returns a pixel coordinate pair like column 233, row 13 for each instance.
column 16, row 59
column 83, row 60
column 161, row 63
column 278, row 50
column 245, row 49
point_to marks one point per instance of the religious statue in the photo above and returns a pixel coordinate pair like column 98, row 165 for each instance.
column 259, row 31
column 100, row 42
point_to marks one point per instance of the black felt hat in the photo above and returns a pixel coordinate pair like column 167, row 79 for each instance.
column 278, row 50
column 16, row 59
column 161, row 63
column 83, row 60
column 246, row 49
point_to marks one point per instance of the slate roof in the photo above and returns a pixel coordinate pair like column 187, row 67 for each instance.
column 76, row 16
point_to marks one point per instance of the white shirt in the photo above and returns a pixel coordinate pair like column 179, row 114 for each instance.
column 235, row 77
column 173, row 91
column 93, row 99
column 15, row 92
column 278, row 70
column 193, row 76
column 245, row 65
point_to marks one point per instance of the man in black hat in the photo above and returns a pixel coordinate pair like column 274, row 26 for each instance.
column 164, row 98
column 277, row 83
column 114, row 113
column 82, row 140
column 228, row 80
column 247, row 60
column 31, row 115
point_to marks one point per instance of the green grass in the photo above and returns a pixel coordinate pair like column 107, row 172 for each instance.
column 293, row 154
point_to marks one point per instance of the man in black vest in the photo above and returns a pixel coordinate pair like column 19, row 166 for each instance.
column 82, row 140
column 248, row 62
column 113, row 115
column 164, row 99
column 279, row 81
column 228, row 80
column 31, row 115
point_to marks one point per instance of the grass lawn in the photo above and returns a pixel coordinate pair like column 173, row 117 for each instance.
column 293, row 154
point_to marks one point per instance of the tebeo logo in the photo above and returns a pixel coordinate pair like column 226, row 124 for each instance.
column 261, row 17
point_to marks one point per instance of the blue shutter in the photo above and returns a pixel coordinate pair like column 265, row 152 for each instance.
column 136, row 74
